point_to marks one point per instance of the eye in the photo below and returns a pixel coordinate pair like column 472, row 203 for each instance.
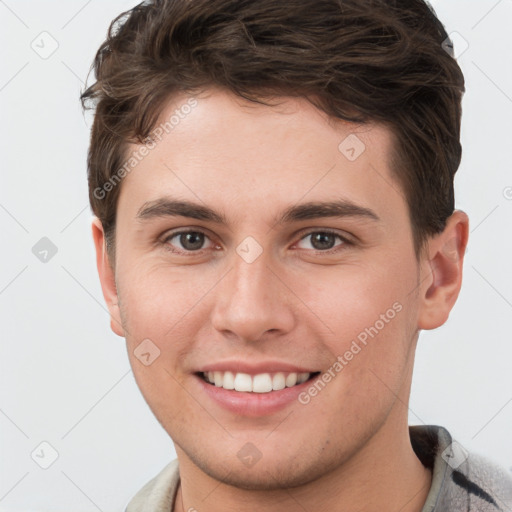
column 322, row 241
column 190, row 241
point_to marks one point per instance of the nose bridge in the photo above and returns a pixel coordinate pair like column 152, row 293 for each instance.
column 252, row 300
column 252, row 280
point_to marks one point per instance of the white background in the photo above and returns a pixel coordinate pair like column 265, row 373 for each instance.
column 65, row 378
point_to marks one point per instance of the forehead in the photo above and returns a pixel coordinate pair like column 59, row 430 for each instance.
column 219, row 148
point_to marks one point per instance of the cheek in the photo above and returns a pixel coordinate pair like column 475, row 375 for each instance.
column 354, row 299
column 167, row 306
column 370, row 313
column 158, row 308
column 155, row 300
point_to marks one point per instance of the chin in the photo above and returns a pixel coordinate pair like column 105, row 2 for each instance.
column 263, row 479
column 265, row 475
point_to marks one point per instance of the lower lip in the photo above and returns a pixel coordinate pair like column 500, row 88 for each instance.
column 253, row 404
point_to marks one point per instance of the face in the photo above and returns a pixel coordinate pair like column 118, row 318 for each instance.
column 267, row 249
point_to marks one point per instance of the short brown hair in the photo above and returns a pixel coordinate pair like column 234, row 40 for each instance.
column 357, row 60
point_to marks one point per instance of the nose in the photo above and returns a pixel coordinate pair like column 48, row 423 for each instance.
column 252, row 301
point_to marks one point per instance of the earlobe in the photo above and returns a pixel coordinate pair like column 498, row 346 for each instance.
column 107, row 277
column 442, row 272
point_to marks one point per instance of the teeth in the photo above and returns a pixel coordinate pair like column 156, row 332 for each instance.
column 229, row 381
column 291, row 380
column 260, row 383
column 302, row 377
column 278, row 381
column 243, row 382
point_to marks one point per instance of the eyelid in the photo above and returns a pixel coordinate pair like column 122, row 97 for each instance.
column 169, row 233
column 309, row 231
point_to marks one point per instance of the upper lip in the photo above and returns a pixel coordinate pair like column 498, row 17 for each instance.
column 252, row 368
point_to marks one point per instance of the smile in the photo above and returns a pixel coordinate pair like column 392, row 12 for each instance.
column 259, row 383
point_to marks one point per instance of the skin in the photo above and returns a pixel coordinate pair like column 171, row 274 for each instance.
column 349, row 447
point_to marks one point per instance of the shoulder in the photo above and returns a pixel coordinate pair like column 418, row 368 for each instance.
column 486, row 484
column 159, row 493
column 462, row 481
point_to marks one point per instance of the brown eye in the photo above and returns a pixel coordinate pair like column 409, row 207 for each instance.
column 192, row 241
column 321, row 241
column 186, row 241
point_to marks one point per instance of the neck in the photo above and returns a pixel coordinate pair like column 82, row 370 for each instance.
column 384, row 475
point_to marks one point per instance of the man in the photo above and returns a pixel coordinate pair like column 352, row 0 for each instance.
column 273, row 187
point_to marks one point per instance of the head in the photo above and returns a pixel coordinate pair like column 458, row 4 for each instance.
column 307, row 149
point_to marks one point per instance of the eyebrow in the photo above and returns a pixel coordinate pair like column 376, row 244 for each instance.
column 166, row 207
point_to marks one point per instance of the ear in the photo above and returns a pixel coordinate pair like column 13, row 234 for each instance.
column 441, row 271
column 107, row 277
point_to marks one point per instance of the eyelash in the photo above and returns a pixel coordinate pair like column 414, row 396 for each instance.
column 336, row 249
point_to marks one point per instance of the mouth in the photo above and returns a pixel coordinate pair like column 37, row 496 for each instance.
column 259, row 383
